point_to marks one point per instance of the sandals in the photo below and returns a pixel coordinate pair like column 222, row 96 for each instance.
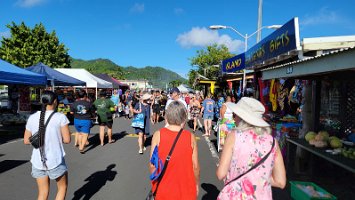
column 112, row 141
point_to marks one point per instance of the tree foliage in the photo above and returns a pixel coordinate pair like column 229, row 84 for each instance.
column 99, row 66
column 27, row 47
column 175, row 83
column 206, row 60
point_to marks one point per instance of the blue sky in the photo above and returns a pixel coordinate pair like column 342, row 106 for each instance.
column 167, row 33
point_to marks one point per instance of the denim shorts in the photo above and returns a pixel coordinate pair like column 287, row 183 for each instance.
column 208, row 116
column 82, row 125
column 53, row 174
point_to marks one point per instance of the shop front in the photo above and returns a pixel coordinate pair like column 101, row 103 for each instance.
column 318, row 92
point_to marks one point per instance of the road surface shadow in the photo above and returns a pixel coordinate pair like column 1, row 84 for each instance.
column 118, row 136
column 212, row 191
column 11, row 132
column 95, row 182
column 94, row 141
column 6, row 165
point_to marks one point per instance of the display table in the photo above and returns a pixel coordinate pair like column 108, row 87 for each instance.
column 339, row 160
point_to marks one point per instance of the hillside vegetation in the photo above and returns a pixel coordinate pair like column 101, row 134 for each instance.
column 157, row 76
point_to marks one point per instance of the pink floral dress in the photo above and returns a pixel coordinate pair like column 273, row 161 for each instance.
column 249, row 148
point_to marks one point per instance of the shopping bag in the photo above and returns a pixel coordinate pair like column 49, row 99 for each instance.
column 138, row 121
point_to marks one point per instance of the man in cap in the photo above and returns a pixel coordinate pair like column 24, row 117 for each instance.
column 175, row 96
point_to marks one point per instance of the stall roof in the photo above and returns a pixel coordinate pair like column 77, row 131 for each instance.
column 83, row 75
column 337, row 60
column 185, row 89
column 121, row 84
column 59, row 78
column 11, row 74
column 116, row 83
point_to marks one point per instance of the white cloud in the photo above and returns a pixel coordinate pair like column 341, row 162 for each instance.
column 138, row 8
column 179, row 11
column 5, row 34
column 323, row 16
column 202, row 37
column 29, row 3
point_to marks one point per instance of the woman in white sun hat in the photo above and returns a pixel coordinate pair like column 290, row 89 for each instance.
column 251, row 161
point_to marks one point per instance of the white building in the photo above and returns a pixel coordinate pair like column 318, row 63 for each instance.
column 137, row 84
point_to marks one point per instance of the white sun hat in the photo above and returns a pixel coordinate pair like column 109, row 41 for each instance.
column 250, row 110
column 146, row 96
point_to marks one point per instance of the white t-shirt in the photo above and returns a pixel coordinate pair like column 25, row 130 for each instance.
column 53, row 145
column 171, row 100
column 228, row 114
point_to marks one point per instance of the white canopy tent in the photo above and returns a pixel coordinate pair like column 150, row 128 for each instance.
column 83, row 75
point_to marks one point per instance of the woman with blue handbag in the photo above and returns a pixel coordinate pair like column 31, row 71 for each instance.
column 141, row 121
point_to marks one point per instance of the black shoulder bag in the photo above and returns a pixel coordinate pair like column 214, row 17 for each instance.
column 256, row 165
column 151, row 195
column 35, row 138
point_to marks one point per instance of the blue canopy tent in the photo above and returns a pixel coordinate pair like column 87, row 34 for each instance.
column 55, row 77
column 11, row 74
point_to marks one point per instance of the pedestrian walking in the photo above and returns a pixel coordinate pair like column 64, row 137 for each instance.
column 103, row 106
column 83, row 111
column 175, row 96
column 48, row 160
column 253, row 163
column 208, row 106
column 115, row 98
column 143, row 108
column 156, row 107
column 180, row 179
column 127, row 99
column 195, row 107
column 225, row 123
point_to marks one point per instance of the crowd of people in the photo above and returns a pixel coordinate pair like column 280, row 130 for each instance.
column 250, row 162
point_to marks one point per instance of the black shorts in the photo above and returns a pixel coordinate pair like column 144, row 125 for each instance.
column 108, row 124
column 156, row 108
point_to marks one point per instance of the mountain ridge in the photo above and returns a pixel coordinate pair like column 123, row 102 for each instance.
column 157, row 76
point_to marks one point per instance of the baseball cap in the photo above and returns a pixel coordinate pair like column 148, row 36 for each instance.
column 175, row 89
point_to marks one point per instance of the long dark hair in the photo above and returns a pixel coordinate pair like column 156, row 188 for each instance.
column 47, row 98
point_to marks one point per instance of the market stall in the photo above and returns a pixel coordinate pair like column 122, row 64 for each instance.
column 92, row 82
column 18, row 81
column 54, row 77
column 108, row 78
column 322, row 88
column 11, row 74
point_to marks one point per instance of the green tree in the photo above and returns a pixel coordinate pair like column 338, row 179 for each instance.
column 27, row 47
column 206, row 60
column 175, row 83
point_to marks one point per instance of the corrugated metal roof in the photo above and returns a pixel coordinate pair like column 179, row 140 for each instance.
column 332, row 52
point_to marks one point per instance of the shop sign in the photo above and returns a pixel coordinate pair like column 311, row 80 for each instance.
column 289, row 70
column 281, row 41
column 233, row 64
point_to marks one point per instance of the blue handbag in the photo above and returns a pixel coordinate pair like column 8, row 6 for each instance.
column 138, row 120
column 158, row 164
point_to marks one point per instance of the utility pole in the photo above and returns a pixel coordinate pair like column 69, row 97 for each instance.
column 260, row 20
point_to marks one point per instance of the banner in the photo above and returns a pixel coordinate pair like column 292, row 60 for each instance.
column 281, row 41
column 233, row 64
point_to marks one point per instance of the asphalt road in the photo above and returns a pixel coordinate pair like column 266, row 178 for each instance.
column 114, row 171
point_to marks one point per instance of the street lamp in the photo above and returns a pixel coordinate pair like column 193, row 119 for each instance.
column 246, row 37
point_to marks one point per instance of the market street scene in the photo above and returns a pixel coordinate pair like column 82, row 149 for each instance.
column 177, row 100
